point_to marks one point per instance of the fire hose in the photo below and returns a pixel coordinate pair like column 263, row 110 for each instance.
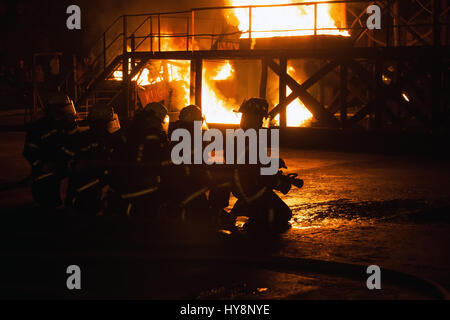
column 275, row 263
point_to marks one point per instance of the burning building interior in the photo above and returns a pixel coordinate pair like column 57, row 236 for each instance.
column 354, row 95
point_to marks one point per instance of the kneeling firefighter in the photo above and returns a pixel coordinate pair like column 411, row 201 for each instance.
column 88, row 178
column 256, row 198
column 49, row 150
column 138, row 167
column 189, row 182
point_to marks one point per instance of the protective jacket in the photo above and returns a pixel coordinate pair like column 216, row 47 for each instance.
column 50, row 151
column 137, row 168
column 90, row 173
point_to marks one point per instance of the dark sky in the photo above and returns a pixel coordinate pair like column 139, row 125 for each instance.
column 29, row 26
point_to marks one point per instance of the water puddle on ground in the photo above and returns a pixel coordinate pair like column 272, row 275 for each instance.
column 346, row 212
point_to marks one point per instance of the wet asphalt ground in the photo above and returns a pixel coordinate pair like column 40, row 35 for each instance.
column 363, row 209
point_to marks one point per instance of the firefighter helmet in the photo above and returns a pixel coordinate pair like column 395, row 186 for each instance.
column 191, row 113
column 157, row 109
column 104, row 115
column 257, row 106
column 60, row 104
column 113, row 124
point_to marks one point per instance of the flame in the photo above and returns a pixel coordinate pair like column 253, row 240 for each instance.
column 141, row 79
column 216, row 108
column 296, row 113
column 224, row 72
column 176, row 72
column 283, row 21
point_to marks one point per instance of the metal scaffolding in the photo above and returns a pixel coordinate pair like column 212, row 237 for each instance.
column 393, row 78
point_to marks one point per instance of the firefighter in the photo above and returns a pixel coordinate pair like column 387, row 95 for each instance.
column 189, row 182
column 94, row 148
column 138, row 166
column 49, row 151
column 256, row 198
column 215, row 178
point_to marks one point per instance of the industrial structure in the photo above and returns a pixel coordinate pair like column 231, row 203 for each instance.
column 396, row 77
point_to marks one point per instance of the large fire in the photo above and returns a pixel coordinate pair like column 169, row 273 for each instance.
column 265, row 22
column 284, row 21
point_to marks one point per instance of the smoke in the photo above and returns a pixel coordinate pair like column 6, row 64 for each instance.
column 99, row 14
column 29, row 26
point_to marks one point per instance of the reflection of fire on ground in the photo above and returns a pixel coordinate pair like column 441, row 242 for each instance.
column 169, row 80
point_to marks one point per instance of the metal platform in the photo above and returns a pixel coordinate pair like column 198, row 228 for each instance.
column 393, row 78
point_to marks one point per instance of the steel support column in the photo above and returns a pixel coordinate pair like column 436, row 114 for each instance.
column 436, row 92
column 436, row 6
column 343, row 95
column 379, row 95
column 192, row 83
column 282, row 91
column 125, row 70
column 198, row 82
column 263, row 82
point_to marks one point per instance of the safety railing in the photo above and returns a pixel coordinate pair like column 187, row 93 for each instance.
column 354, row 23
